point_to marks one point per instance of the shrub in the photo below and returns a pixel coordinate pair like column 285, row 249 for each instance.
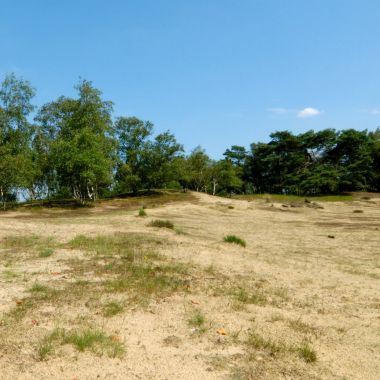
column 234, row 239
column 142, row 212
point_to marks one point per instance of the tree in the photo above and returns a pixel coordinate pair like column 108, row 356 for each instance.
column 159, row 157
column 224, row 177
column 144, row 162
column 352, row 156
column 79, row 136
column 198, row 168
column 15, row 133
column 132, row 134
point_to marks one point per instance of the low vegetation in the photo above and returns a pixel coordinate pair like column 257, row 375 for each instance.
column 142, row 212
column 307, row 353
column 161, row 224
column 40, row 158
column 93, row 340
column 112, row 308
column 235, row 240
column 110, row 289
column 198, row 322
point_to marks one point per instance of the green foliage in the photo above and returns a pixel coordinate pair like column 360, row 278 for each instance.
column 145, row 162
column 75, row 149
column 235, row 240
column 315, row 162
column 16, row 166
column 142, row 212
column 95, row 341
column 78, row 136
column 197, row 319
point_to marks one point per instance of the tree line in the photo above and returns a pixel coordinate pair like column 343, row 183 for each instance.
column 75, row 148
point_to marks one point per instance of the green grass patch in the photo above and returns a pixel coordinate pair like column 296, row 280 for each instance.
column 197, row 319
column 20, row 242
column 243, row 296
column 95, row 341
column 258, row 342
column 122, row 244
column 235, row 240
column 307, row 353
column 198, row 322
column 142, row 212
column 88, row 339
column 112, row 308
column 45, row 252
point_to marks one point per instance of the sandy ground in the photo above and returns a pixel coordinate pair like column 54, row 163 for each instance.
column 319, row 289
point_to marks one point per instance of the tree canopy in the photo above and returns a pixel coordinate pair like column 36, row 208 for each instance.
column 76, row 148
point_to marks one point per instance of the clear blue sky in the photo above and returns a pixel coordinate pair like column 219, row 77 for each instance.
column 214, row 72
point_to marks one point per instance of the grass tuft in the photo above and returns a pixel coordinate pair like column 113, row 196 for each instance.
column 112, row 308
column 142, row 212
column 256, row 298
column 161, row 224
column 198, row 322
column 258, row 342
column 235, row 240
column 45, row 252
column 307, row 353
column 95, row 341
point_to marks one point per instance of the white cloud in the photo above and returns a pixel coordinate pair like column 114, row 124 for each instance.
column 308, row 112
column 303, row 113
column 375, row 111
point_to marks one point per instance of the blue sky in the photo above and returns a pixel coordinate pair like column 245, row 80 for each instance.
column 214, row 72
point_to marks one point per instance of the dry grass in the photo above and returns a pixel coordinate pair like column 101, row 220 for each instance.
column 161, row 224
column 82, row 287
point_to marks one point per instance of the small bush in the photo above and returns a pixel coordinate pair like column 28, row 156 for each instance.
column 234, row 239
column 358, row 211
column 142, row 212
column 161, row 224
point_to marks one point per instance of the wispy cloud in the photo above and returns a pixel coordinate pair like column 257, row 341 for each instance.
column 280, row 110
column 374, row 111
column 308, row 112
column 302, row 113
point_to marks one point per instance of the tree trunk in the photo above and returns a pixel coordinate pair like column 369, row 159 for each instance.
column 2, row 196
column 214, row 187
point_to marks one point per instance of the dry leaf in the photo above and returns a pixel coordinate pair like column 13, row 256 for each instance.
column 221, row 331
